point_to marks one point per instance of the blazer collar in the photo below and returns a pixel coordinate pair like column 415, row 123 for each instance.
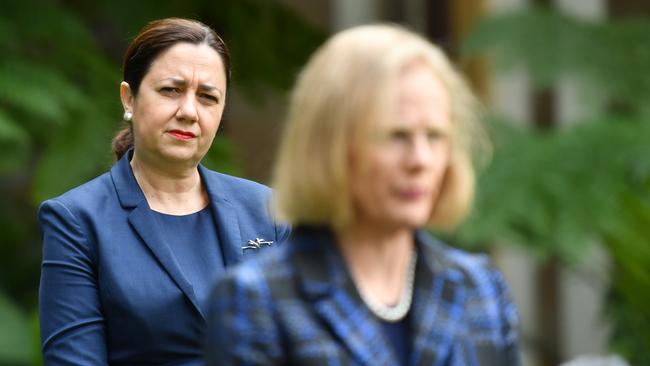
column 145, row 224
column 326, row 282
column 127, row 188
column 438, row 303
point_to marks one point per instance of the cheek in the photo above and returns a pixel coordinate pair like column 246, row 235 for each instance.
column 442, row 155
column 371, row 181
column 212, row 120
column 150, row 119
column 440, row 168
column 375, row 185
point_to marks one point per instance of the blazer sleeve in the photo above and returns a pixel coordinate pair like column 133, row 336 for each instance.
column 241, row 326
column 72, row 324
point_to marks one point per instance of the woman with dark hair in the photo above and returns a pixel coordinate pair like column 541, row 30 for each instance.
column 129, row 257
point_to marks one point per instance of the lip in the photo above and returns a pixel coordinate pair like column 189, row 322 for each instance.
column 413, row 194
column 181, row 135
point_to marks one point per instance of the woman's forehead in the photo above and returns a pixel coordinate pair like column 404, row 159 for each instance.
column 189, row 61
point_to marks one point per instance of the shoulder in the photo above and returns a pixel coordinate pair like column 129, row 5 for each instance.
column 91, row 195
column 475, row 269
column 257, row 283
column 68, row 221
column 484, row 287
column 234, row 185
column 307, row 256
column 261, row 273
column 242, row 326
column 488, row 305
column 251, row 200
column 249, row 291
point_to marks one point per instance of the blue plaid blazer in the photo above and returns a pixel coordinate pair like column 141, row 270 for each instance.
column 299, row 306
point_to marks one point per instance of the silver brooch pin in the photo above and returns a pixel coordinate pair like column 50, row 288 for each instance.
column 257, row 243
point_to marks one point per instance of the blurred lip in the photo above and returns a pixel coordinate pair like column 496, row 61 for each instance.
column 182, row 135
column 413, row 194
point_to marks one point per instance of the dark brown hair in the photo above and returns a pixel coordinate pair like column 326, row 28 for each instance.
column 155, row 38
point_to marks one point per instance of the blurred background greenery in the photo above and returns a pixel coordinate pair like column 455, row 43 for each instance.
column 555, row 192
column 559, row 191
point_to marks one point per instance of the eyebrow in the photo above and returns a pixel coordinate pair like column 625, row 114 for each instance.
column 439, row 129
column 436, row 128
column 203, row 87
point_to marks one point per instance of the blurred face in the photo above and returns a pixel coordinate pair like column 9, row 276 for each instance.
column 396, row 175
column 178, row 108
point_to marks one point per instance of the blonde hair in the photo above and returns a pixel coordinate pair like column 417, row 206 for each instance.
column 340, row 95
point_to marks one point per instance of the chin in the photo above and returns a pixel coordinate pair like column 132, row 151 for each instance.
column 180, row 155
column 415, row 219
column 409, row 221
column 416, row 223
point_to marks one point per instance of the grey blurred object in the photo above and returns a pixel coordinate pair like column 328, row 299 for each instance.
column 590, row 360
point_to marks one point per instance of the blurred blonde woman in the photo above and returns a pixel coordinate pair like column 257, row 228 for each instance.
column 378, row 145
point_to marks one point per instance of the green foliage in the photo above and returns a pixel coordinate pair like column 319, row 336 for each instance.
column 557, row 192
column 554, row 192
column 268, row 42
column 15, row 337
column 59, row 109
column 609, row 59
column 629, row 301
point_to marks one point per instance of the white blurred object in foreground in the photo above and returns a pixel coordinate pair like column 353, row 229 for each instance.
column 596, row 361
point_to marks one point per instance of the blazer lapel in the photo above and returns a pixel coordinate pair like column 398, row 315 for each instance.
column 327, row 283
column 438, row 306
column 225, row 220
column 145, row 224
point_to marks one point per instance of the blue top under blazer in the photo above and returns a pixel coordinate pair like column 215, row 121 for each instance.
column 112, row 291
column 299, row 306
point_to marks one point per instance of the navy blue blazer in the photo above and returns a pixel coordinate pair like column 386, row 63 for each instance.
column 299, row 306
column 112, row 291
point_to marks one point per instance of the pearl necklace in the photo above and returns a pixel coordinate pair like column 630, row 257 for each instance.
column 398, row 311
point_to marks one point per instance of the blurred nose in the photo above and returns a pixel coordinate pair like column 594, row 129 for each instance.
column 187, row 111
column 420, row 153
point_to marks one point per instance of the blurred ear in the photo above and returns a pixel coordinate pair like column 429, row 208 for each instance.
column 126, row 96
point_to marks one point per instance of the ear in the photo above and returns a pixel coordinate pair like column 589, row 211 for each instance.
column 126, row 96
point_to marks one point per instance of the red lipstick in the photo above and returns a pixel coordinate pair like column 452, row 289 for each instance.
column 182, row 135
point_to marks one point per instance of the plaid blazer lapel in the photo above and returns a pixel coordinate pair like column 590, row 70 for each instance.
column 438, row 306
column 327, row 284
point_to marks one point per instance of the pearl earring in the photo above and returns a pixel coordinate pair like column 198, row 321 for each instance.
column 128, row 116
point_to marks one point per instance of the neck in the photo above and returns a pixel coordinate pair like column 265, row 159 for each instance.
column 175, row 192
column 378, row 259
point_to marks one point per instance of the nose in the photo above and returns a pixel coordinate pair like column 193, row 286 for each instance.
column 420, row 153
column 187, row 110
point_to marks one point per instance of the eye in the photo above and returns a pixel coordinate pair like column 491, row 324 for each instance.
column 399, row 135
column 170, row 90
column 434, row 135
column 209, row 98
